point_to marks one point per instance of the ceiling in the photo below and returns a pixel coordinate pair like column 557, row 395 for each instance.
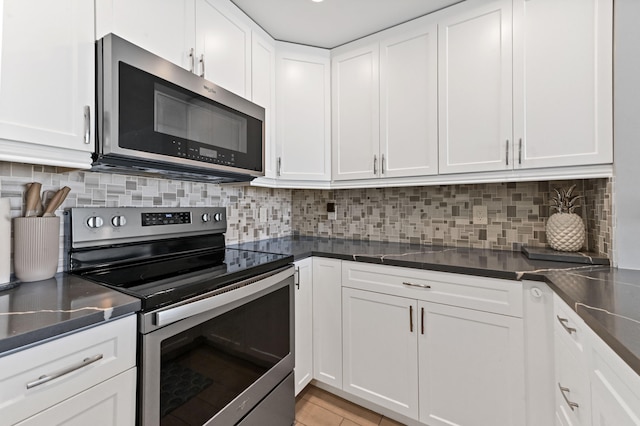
column 332, row 23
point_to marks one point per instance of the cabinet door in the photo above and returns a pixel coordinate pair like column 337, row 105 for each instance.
column 223, row 47
column 380, row 349
column 163, row 27
column 571, row 384
column 263, row 92
column 474, row 60
column 409, row 100
column 47, row 81
column 327, row 322
column 471, row 367
column 303, row 113
column 355, row 114
column 109, row 403
column 563, row 82
column 303, row 370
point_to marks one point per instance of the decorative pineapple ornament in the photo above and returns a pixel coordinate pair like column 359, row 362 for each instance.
column 565, row 229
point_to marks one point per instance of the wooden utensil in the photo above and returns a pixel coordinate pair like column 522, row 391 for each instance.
column 56, row 201
column 32, row 199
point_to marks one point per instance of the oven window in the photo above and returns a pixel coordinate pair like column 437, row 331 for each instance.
column 206, row 367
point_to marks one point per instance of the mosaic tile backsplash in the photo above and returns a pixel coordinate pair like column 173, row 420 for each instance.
column 443, row 215
column 440, row 215
column 252, row 213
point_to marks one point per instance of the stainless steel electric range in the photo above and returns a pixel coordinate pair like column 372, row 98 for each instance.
column 216, row 326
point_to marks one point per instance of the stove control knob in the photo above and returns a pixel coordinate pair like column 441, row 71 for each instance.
column 206, row 217
column 118, row 221
column 95, row 222
column 217, row 217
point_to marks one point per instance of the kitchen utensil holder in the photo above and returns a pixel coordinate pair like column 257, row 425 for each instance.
column 36, row 247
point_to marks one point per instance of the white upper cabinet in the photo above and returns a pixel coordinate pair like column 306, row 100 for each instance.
column 223, row 46
column 47, row 92
column 562, row 82
column 163, row 27
column 263, row 92
column 409, row 101
column 355, row 113
column 303, row 117
column 475, row 87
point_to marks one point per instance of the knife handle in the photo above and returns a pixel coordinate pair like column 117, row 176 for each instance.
column 56, row 201
column 32, row 199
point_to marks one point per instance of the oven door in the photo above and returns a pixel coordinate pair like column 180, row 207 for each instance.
column 216, row 365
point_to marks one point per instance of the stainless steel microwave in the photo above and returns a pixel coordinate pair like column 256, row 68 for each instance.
column 157, row 118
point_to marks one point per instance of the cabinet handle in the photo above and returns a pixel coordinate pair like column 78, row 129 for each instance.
column 202, row 65
column 48, row 377
column 564, row 391
column 192, row 60
column 416, row 285
column 382, row 164
column 375, row 164
column 411, row 319
column 507, row 149
column 87, row 124
column 421, row 320
column 520, row 151
column 564, row 322
column 296, row 278
column 279, row 166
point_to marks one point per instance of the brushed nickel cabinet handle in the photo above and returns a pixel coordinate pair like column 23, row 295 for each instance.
column 421, row 320
column 202, row 65
column 410, row 284
column 382, row 164
column 507, row 149
column 279, row 166
column 564, row 391
column 564, row 322
column 296, row 277
column 192, row 60
column 520, row 152
column 87, row 124
column 375, row 165
column 411, row 319
column 56, row 374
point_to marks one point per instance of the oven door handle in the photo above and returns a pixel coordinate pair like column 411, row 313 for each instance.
column 221, row 297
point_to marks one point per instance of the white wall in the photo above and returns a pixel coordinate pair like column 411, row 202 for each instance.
column 627, row 133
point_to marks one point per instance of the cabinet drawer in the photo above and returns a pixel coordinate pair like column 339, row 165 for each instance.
column 569, row 326
column 80, row 360
column 480, row 293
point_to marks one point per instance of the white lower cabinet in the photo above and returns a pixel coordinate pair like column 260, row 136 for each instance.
column 327, row 321
column 381, row 349
column 110, row 403
column 303, row 370
column 471, row 367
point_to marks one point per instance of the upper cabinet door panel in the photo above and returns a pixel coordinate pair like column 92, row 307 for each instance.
column 263, row 92
column 163, row 27
column 47, row 73
column 409, row 101
column 303, row 113
column 355, row 101
column 224, row 45
column 475, row 87
column 563, row 82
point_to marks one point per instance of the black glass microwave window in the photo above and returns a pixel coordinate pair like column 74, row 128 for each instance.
column 159, row 117
column 209, row 365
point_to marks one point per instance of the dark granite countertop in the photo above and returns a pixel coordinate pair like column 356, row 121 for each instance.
column 608, row 299
column 33, row 312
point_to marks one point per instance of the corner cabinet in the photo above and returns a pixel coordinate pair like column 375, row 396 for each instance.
column 47, row 95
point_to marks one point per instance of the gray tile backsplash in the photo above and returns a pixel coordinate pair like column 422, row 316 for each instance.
column 425, row 214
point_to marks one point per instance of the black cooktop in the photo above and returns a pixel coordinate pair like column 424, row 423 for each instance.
column 164, row 280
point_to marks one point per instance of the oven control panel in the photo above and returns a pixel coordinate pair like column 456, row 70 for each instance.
column 89, row 226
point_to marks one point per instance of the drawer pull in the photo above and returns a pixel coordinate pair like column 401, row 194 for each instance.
column 416, row 285
column 564, row 322
column 570, row 403
column 47, row 378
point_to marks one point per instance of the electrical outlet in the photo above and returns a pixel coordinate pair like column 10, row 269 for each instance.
column 331, row 211
column 480, row 215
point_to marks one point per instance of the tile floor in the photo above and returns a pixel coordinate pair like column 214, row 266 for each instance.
column 316, row 407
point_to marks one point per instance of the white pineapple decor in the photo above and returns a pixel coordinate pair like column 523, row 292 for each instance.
column 565, row 229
